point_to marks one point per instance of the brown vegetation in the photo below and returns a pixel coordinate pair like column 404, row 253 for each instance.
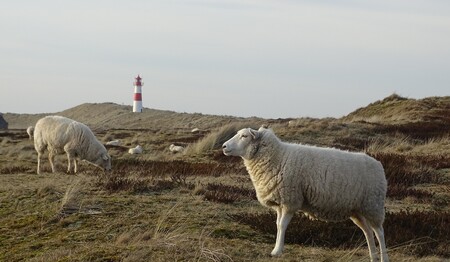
column 201, row 206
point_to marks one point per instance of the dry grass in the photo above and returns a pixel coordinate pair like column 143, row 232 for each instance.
column 201, row 206
column 216, row 138
column 395, row 109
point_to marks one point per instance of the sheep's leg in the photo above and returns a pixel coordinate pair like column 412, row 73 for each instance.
column 278, row 209
column 71, row 157
column 69, row 160
column 283, row 222
column 379, row 233
column 39, row 163
column 75, row 166
column 51, row 158
column 362, row 224
column 279, row 214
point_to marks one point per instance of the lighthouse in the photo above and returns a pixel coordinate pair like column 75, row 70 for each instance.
column 137, row 103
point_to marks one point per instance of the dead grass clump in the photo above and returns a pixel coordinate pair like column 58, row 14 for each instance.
column 226, row 194
column 71, row 201
column 49, row 191
column 171, row 237
column 215, row 139
column 417, row 233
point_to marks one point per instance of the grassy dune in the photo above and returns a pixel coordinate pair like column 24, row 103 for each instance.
column 200, row 205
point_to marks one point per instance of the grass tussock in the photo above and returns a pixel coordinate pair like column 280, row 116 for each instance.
column 215, row 139
column 170, row 237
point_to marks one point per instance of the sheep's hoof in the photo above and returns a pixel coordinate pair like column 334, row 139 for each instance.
column 276, row 253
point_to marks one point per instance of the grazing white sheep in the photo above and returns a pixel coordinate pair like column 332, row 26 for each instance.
column 135, row 150
column 195, row 131
column 324, row 183
column 60, row 134
column 30, row 131
column 113, row 143
column 175, row 149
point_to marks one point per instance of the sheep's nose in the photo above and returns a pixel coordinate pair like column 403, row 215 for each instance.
column 224, row 146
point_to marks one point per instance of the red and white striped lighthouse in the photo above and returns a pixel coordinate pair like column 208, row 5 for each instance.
column 137, row 103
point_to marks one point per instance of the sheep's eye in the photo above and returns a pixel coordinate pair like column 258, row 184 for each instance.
column 244, row 136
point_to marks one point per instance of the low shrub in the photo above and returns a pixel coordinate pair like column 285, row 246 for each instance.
column 401, row 169
column 418, row 130
column 397, row 191
column 226, row 193
column 121, row 182
column 417, row 233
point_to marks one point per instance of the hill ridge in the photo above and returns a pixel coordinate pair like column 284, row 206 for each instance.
column 397, row 109
column 393, row 109
column 111, row 115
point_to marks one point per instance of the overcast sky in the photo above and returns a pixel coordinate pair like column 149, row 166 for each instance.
column 266, row 58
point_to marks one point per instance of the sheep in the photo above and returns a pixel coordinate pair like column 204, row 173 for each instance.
column 324, row 183
column 175, row 149
column 135, row 150
column 113, row 143
column 60, row 134
column 30, row 131
column 195, row 131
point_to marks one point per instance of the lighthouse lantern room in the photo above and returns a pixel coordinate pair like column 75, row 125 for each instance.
column 137, row 103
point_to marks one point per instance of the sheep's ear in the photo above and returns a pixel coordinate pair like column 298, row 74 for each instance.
column 254, row 133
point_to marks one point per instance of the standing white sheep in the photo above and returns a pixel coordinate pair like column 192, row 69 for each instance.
column 30, row 131
column 323, row 183
column 60, row 134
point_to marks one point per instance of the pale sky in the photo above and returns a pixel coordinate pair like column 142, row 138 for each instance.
column 266, row 58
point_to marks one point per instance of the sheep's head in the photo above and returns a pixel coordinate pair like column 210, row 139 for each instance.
column 244, row 144
column 103, row 161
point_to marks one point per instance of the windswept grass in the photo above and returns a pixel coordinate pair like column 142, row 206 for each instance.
column 215, row 139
